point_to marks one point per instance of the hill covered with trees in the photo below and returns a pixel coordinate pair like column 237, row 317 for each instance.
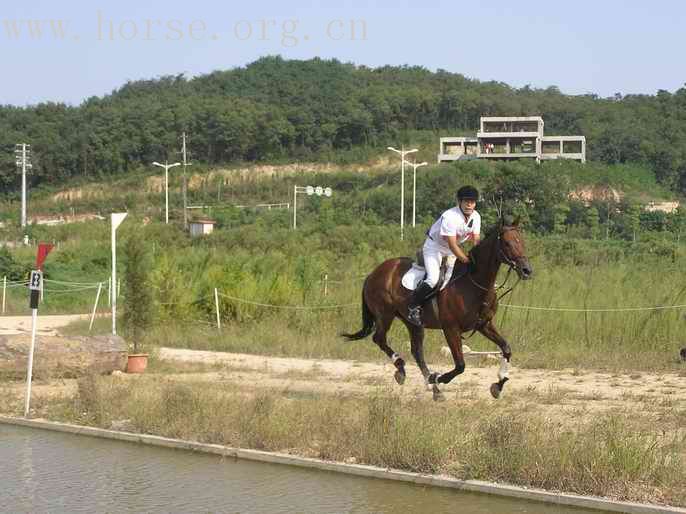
column 275, row 109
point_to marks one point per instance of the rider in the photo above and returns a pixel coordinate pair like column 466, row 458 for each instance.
column 455, row 226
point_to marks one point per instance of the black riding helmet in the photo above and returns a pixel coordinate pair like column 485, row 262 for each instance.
column 467, row 193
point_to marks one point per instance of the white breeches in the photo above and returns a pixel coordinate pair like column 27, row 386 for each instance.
column 433, row 255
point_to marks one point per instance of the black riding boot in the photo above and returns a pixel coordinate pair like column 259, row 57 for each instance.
column 415, row 305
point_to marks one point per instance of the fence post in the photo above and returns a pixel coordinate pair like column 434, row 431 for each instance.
column 4, row 289
column 41, row 290
column 326, row 283
column 95, row 306
column 109, row 292
column 216, row 303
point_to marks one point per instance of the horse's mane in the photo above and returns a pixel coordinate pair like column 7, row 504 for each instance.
column 491, row 233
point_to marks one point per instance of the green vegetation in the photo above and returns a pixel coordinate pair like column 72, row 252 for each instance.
column 138, row 305
column 310, row 278
column 623, row 455
column 274, row 109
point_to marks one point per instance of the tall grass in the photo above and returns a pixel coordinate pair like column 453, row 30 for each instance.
column 622, row 455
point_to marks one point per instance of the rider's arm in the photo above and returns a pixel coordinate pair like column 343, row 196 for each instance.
column 455, row 248
column 477, row 239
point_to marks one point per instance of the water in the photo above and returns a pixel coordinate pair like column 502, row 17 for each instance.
column 43, row 471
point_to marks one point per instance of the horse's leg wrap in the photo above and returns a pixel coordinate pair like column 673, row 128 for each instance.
column 433, row 378
column 398, row 362
column 503, row 372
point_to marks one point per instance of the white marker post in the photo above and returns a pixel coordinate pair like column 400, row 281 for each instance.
column 117, row 218
column 95, row 307
column 216, row 304
column 34, row 286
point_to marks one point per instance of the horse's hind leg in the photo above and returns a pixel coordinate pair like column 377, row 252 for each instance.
column 489, row 331
column 383, row 323
column 417, row 344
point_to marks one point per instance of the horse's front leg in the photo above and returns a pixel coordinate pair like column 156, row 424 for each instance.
column 453, row 337
column 489, row 331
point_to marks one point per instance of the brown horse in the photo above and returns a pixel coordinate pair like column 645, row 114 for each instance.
column 468, row 302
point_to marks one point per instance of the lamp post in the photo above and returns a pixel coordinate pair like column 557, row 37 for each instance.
column 166, row 167
column 402, row 153
column 414, row 187
column 22, row 154
column 309, row 190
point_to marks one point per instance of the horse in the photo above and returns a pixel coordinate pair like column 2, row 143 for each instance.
column 468, row 302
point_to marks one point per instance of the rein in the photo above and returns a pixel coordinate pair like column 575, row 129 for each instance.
column 506, row 260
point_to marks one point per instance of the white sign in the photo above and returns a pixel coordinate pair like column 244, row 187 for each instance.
column 117, row 218
column 36, row 279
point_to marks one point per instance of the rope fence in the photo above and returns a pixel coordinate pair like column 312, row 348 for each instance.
column 79, row 287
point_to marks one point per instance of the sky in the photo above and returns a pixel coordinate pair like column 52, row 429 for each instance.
column 68, row 51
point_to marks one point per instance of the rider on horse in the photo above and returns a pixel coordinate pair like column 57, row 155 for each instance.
column 455, row 226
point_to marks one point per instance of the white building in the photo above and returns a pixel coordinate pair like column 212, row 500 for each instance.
column 201, row 227
column 512, row 138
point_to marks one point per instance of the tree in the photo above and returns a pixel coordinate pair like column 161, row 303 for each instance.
column 137, row 294
column 561, row 211
column 592, row 222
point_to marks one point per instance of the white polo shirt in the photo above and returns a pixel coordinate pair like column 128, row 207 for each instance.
column 453, row 223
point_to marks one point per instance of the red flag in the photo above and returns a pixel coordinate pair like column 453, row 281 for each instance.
column 43, row 251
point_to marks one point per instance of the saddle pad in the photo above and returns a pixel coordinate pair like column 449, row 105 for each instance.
column 416, row 274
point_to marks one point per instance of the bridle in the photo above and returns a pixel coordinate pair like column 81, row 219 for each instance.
column 505, row 260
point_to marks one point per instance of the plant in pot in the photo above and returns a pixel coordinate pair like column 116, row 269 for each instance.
column 137, row 314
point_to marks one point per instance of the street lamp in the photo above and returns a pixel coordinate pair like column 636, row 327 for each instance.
column 309, row 190
column 166, row 186
column 402, row 153
column 414, row 186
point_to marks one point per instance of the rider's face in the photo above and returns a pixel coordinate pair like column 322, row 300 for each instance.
column 467, row 206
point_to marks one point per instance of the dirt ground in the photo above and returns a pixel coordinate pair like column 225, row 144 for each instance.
column 337, row 376
column 565, row 388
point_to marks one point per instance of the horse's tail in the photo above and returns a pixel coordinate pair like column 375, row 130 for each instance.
column 367, row 323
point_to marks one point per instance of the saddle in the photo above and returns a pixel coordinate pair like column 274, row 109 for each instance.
column 417, row 272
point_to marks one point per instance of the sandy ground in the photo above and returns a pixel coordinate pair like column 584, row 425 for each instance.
column 589, row 390
column 47, row 325
column 336, row 376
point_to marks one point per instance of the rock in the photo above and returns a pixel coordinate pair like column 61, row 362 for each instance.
column 65, row 357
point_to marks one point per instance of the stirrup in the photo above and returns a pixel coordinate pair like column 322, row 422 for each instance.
column 414, row 315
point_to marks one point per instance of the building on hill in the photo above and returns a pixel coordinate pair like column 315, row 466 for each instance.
column 507, row 138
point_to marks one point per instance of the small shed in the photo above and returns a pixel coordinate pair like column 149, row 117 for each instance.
column 201, row 227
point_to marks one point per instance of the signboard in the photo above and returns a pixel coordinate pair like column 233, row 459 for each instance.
column 35, row 281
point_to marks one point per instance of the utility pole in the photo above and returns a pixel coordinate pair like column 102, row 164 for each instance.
column 185, row 185
column 22, row 154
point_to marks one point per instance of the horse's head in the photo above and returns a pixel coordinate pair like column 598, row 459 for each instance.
column 511, row 248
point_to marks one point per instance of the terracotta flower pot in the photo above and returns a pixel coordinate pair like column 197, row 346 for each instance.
column 137, row 362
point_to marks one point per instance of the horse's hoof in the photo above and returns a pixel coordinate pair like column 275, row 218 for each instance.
column 438, row 396
column 399, row 377
column 495, row 390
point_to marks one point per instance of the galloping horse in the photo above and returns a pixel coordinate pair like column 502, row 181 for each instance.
column 468, row 302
